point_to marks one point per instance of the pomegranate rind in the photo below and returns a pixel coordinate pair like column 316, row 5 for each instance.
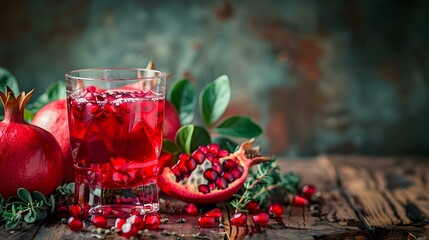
column 167, row 180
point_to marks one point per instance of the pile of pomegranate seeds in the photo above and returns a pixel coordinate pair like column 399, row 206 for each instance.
column 210, row 218
column 218, row 173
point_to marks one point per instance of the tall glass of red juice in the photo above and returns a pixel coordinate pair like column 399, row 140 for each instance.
column 115, row 122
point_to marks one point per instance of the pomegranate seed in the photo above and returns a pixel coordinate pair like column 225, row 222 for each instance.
column 75, row 224
column 119, row 222
column 253, row 207
column 240, row 168
column 223, row 153
column 228, row 177
column 183, row 157
column 203, row 149
column 93, row 108
column 136, row 221
column 181, row 166
column 213, row 148
column 261, row 219
column 128, row 230
column 91, row 89
column 199, row 156
column 107, row 211
column 110, row 108
column 191, row 209
column 176, row 173
column 217, row 167
column 299, row 201
column 210, row 157
column 215, row 160
column 212, row 185
column 239, row 219
column 152, row 221
column 229, row 164
column 135, row 212
column 75, row 210
column 214, row 213
column 221, row 183
column 99, row 221
column 191, row 164
column 206, row 222
column 308, row 191
column 275, row 210
column 236, row 173
column 204, row 188
column 210, row 174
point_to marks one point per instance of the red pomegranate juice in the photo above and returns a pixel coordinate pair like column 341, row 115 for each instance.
column 116, row 138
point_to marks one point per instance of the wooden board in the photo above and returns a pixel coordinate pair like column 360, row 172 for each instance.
column 364, row 198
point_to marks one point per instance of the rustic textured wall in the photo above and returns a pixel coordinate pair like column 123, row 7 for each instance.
column 321, row 76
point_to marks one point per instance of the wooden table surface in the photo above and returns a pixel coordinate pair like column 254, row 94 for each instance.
column 363, row 198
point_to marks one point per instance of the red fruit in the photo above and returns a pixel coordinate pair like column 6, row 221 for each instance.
column 75, row 210
column 198, row 156
column 276, row 210
column 252, row 207
column 210, row 174
column 238, row 219
column 261, row 219
column 214, row 213
column 152, row 220
column 299, row 201
column 75, row 224
column 29, row 155
column 119, row 222
column 53, row 118
column 196, row 189
column 136, row 221
column 308, row 191
column 191, row 209
column 213, row 148
column 128, row 230
column 99, row 221
column 171, row 121
column 206, row 222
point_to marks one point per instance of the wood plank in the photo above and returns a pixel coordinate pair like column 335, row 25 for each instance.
column 391, row 194
column 23, row 231
column 336, row 218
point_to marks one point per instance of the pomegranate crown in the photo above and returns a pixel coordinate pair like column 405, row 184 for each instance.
column 14, row 106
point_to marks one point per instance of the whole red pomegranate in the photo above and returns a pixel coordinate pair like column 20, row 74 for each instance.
column 53, row 118
column 210, row 175
column 29, row 155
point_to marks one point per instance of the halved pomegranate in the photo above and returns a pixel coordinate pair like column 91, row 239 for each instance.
column 209, row 175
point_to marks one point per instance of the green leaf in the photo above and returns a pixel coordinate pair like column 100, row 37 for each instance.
column 7, row 79
column 54, row 92
column 239, row 126
column 52, row 203
column 226, row 143
column 39, row 196
column 28, row 115
column 182, row 96
column 200, row 137
column 25, row 195
column 11, row 224
column 184, row 138
column 214, row 99
column 169, row 146
column 41, row 215
column 30, row 217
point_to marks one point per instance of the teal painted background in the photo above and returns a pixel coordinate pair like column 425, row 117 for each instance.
column 319, row 76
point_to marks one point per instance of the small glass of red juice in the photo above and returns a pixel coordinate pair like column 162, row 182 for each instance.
column 115, row 121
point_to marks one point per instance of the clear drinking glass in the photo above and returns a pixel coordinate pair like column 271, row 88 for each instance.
column 115, row 122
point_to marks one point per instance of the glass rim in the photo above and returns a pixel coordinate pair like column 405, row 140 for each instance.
column 159, row 74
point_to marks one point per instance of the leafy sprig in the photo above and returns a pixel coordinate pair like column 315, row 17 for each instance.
column 26, row 206
column 32, row 207
column 261, row 183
